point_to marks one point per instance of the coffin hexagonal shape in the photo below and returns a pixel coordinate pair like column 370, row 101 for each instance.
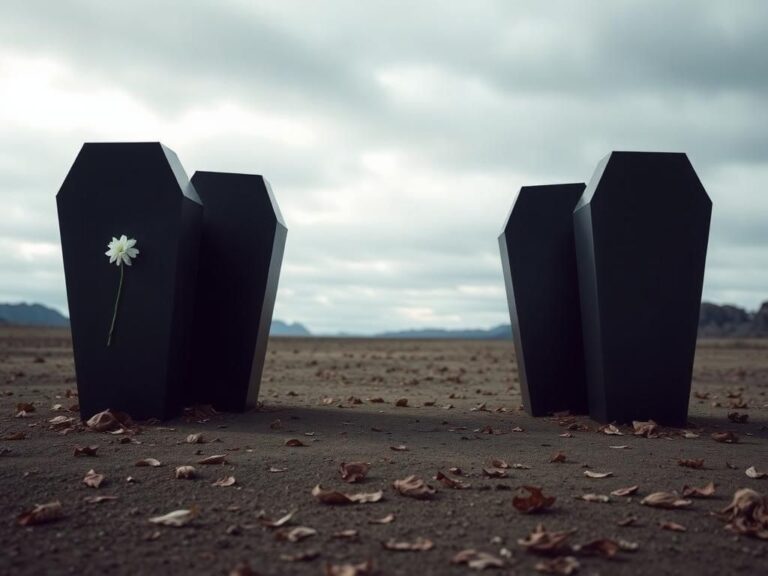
column 241, row 253
column 142, row 191
column 641, row 229
column 539, row 262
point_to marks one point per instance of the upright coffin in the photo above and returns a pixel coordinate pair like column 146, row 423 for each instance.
column 641, row 241
column 539, row 262
column 241, row 253
column 139, row 190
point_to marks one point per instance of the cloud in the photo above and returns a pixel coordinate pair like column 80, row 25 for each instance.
column 395, row 134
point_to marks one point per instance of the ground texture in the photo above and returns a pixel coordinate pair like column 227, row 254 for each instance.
column 340, row 398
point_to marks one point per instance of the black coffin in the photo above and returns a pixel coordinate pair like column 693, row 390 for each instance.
column 539, row 262
column 139, row 190
column 641, row 241
column 241, row 252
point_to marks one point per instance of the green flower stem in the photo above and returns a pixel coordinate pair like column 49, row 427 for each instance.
column 117, row 303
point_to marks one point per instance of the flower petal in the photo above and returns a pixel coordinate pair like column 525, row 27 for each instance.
column 130, row 243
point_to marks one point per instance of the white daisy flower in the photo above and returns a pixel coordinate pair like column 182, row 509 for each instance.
column 121, row 250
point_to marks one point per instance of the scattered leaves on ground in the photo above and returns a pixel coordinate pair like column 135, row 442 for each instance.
column 702, row 492
column 534, row 502
column 353, row 471
column 41, row 514
column 628, row 491
column 477, row 560
column 414, row 487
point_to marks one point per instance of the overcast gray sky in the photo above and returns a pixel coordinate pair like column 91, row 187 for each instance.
column 395, row 134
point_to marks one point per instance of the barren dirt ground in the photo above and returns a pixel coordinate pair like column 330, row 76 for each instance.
column 338, row 397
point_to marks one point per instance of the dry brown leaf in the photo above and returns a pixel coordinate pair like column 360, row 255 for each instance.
column 351, row 534
column 495, row 473
column 295, row 443
column 696, row 463
column 414, row 487
column 629, row 520
column 388, row 519
column 399, row 448
column 628, row 491
column 296, row 534
column 195, row 438
column 726, row 437
column 673, row 526
column 689, row 435
column 602, row 498
column 93, row 479
column 109, row 420
column 619, row 447
column 451, row 482
column 212, row 460
column 225, row 481
column 276, row 469
column 591, row 474
column 521, row 467
column 558, row 457
column 752, row 472
column 668, row 500
column 477, row 560
column 333, row 497
column 98, row 499
column 563, row 565
column 177, row 518
column 185, row 472
column 545, row 543
column 86, row 450
column 353, row 471
column 703, row 492
column 25, row 407
column 499, row 463
column 361, row 569
column 15, row 436
column 41, row 514
column 401, row 402
column 418, row 545
column 647, row 429
column 611, row 430
column 152, row 462
column 277, row 523
column 603, row 547
column 534, row 502
column 747, row 514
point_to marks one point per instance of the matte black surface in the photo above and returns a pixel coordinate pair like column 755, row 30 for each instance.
column 140, row 190
column 641, row 231
column 539, row 262
column 240, row 257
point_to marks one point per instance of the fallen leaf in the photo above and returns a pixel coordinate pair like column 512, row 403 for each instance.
column 620, row 447
column 563, row 565
column 15, row 436
column 591, row 474
column 495, row 473
column 668, row 500
column 611, row 430
column 594, row 498
column 109, row 420
column 185, row 472
column 673, row 526
column 195, row 438
column 215, row 459
column 41, row 514
column 86, row 450
column 401, row 402
column 499, row 463
column 414, row 487
column 752, row 472
column 629, row 520
column 25, row 407
column 388, row 519
column 521, row 467
column 628, row 491
column 399, row 448
column 296, row 534
column 279, row 522
column 688, row 434
column 534, row 502
column 545, row 543
column 177, row 518
column 362, row 569
column 334, row 497
column 152, row 462
column 726, row 437
column 450, row 482
column 346, row 535
column 353, row 471
column 98, row 499
column 703, row 492
column 418, row 545
column 225, row 481
column 477, row 560
column 295, row 443
column 558, row 457
column 93, row 479
column 747, row 514
column 603, row 547
column 276, row 469
column 647, row 429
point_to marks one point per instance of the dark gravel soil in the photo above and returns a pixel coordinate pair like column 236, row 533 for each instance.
column 339, row 398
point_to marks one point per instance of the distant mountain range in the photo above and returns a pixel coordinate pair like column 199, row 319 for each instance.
column 715, row 321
